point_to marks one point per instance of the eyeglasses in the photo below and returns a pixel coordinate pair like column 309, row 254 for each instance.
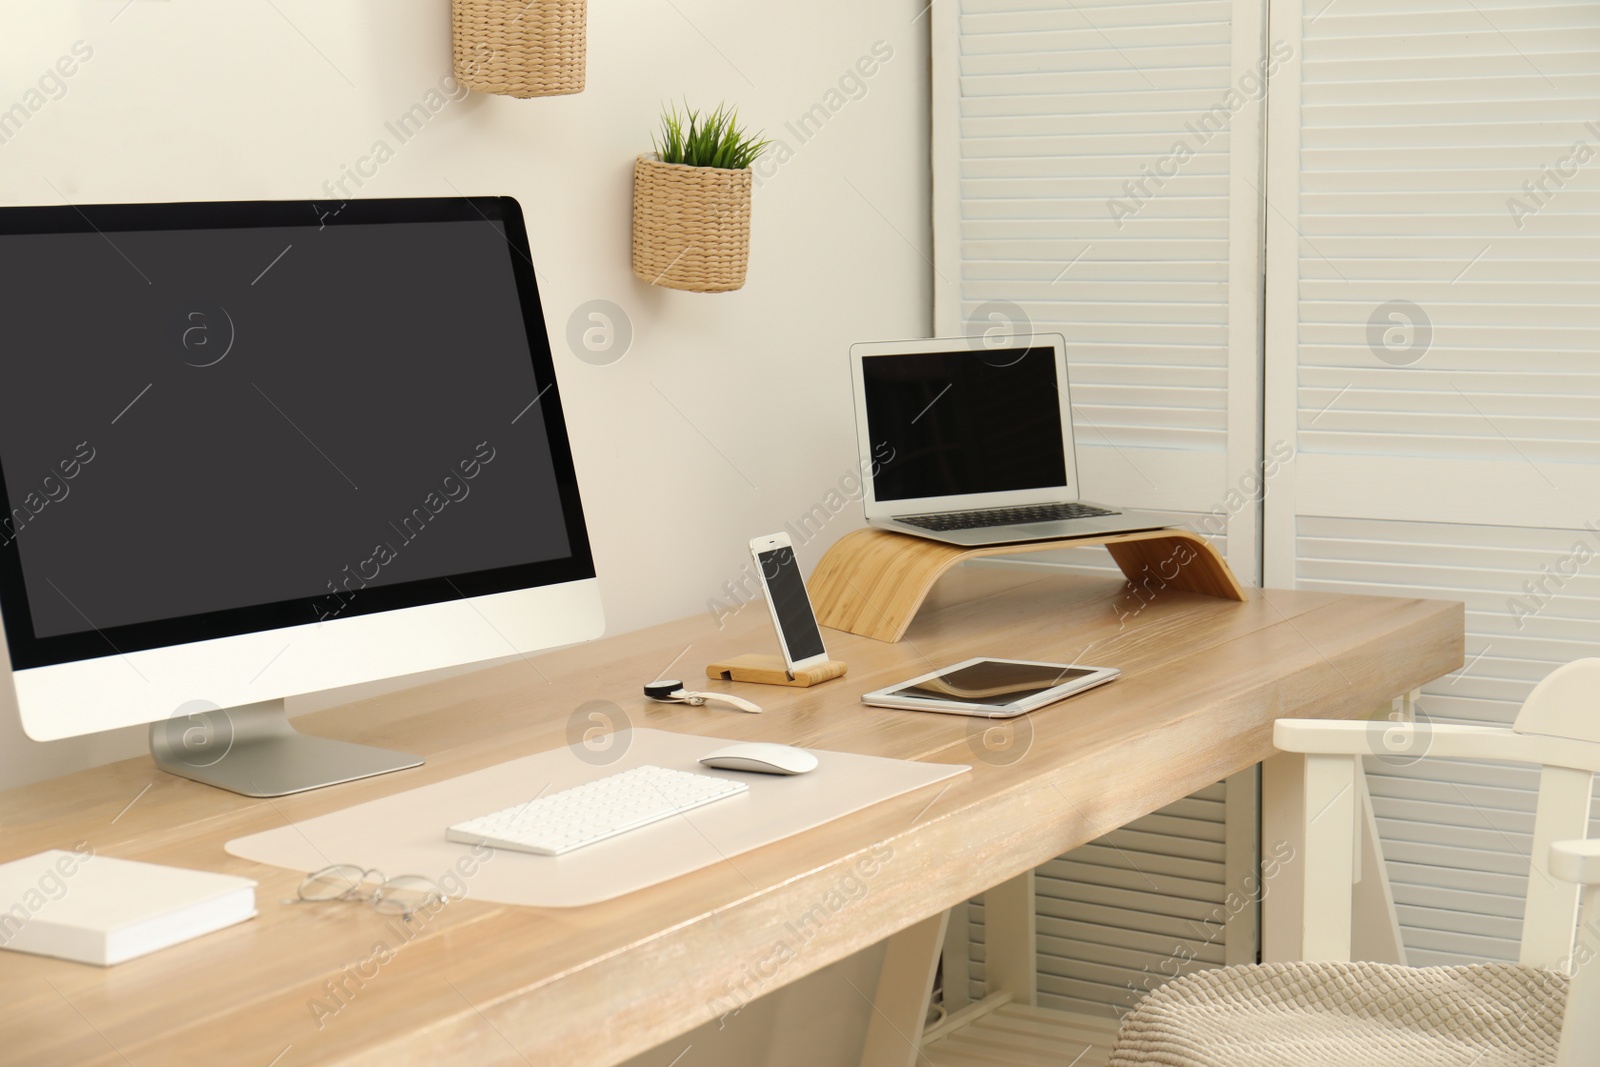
column 404, row 895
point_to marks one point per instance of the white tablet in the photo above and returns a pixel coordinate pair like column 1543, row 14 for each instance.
column 995, row 688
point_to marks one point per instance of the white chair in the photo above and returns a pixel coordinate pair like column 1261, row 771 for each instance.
column 1329, row 1012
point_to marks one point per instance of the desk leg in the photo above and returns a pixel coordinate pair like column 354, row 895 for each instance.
column 957, row 975
column 1011, row 960
column 900, row 1006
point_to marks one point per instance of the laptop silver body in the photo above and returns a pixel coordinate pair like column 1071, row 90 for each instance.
column 971, row 444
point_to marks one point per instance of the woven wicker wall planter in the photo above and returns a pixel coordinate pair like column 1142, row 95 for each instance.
column 691, row 225
column 520, row 48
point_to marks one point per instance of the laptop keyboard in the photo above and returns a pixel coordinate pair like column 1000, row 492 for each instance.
column 978, row 520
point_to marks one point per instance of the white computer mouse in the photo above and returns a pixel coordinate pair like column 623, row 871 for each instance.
column 762, row 757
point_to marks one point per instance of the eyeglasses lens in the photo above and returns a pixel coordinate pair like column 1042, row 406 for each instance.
column 405, row 895
column 332, row 883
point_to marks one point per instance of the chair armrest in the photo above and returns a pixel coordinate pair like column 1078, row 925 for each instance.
column 1327, row 737
column 1365, row 737
column 1576, row 861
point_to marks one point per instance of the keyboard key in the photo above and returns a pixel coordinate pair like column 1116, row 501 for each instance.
column 984, row 519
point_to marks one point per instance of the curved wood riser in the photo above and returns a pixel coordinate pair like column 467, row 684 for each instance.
column 872, row 582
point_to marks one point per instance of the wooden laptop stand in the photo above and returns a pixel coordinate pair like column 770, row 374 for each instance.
column 872, row 582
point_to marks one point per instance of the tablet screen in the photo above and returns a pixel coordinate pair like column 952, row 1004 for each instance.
column 992, row 683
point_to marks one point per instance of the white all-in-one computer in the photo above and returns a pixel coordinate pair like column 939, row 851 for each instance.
column 259, row 449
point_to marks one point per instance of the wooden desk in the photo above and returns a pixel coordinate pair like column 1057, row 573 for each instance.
column 487, row 984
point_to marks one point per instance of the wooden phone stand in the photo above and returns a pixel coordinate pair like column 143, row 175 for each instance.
column 771, row 670
column 871, row 582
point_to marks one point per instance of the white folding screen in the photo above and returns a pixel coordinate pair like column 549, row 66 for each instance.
column 1097, row 173
column 1432, row 337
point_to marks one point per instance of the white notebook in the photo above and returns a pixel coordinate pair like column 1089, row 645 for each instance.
column 96, row 909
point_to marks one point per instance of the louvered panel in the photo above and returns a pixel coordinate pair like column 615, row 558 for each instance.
column 1419, row 957
column 1447, row 18
column 1155, row 866
column 1162, row 823
column 1573, row 411
column 1120, row 915
column 1429, row 894
column 1203, row 237
column 1421, row 123
column 1168, row 24
column 1463, row 861
column 1461, row 448
column 1461, row 810
column 1445, row 921
column 1560, row 376
column 1151, row 924
column 1470, row 948
column 1093, row 939
column 1509, row 887
column 1488, row 774
column 1167, row 844
column 1336, row 157
column 1060, row 107
column 1083, row 980
column 1120, row 955
column 1530, row 271
column 1372, row 202
column 1455, row 250
column 1173, row 389
column 1105, row 133
column 1399, row 787
column 1455, row 55
column 1111, row 14
column 1457, row 834
column 1063, row 33
column 1537, row 417
column 1135, row 901
column 1512, row 79
column 1484, row 838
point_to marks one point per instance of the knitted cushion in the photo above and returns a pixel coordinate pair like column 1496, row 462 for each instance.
column 1348, row 1015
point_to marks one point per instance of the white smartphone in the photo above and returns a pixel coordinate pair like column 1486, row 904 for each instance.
column 792, row 616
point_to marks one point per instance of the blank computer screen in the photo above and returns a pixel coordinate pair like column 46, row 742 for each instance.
column 205, row 419
column 965, row 422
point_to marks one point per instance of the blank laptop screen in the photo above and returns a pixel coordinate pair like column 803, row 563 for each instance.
column 964, row 422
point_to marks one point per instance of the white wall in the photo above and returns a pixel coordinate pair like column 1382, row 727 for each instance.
column 271, row 99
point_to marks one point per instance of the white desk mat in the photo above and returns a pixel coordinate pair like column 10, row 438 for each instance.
column 404, row 833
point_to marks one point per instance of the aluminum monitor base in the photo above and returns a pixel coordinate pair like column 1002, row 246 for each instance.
column 252, row 750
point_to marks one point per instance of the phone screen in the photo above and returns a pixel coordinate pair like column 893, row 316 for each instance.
column 992, row 683
column 789, row 601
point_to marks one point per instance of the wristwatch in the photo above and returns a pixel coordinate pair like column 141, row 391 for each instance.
column 671, row 690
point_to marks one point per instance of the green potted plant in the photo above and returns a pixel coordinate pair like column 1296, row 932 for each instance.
column 691, row 202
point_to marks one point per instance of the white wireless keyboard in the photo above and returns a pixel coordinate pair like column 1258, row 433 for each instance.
column 594, row 811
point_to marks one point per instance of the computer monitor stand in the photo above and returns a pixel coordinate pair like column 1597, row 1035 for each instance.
column 254, row 751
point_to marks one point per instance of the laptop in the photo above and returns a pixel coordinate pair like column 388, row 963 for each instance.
column 971, row 444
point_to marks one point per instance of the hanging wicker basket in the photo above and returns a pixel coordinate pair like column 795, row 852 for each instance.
column 691, row 225
column 520, row 48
